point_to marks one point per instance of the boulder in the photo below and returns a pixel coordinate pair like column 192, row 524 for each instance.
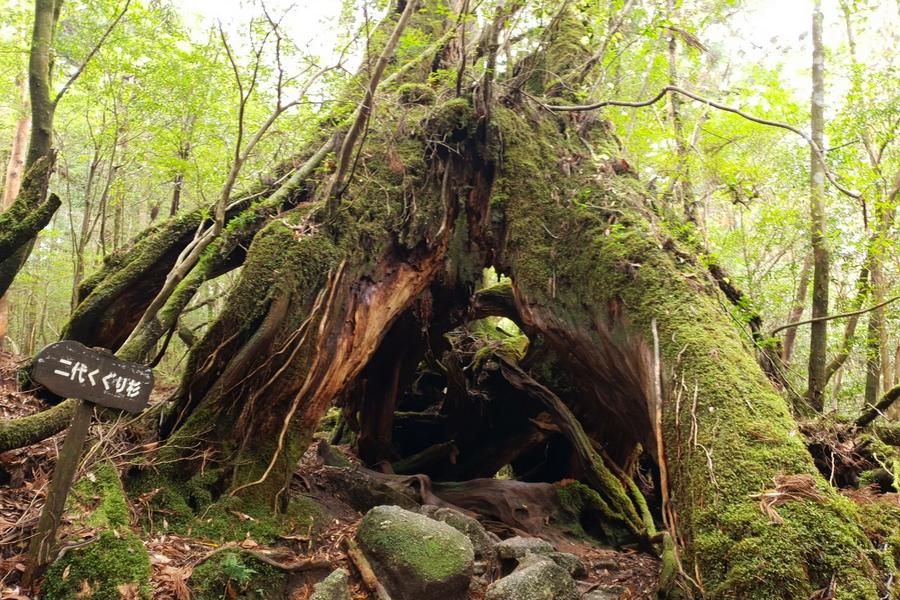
column 333, row 587
column 482, row 542
column 536, row 578
column 518, row 547
column 571, row 563
column 414, row 556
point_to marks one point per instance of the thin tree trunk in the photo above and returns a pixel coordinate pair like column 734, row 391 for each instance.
column 14, row 171
column 681, row 185
column 818, row 344
column 787, row 349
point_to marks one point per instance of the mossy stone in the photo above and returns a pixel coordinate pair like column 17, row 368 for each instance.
column 415, row 556
column 333, row 587
column 537, row 578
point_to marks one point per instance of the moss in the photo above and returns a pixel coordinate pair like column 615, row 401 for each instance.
column 235, row 574
column 98, row 499
column 586, row 515
column 452, row 121
column 408, row 542
column 100, row 570
column 415, row 93
column 189, row 509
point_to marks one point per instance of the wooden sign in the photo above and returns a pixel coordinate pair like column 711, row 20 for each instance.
column 72, row 370
column 75, row 371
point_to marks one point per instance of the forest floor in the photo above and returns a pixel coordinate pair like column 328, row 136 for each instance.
column 25, row 473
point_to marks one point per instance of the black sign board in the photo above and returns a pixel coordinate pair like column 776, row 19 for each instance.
column 72, row 370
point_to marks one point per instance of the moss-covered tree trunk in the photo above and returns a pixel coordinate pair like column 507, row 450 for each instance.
column 442, row 188
column 593, row 268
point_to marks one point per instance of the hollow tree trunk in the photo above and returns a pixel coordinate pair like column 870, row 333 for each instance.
column 443, row 192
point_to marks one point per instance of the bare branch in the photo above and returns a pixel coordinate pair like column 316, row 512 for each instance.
column 91, row 54
column 838, row 316
column 677, row 90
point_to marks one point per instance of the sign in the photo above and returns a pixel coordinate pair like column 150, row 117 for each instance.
column 72, row 370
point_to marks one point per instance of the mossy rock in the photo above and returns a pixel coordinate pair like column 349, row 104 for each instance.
column 236, row 574
column 415, row 556
column 109, row 568
column 415, row 93
column 333, row 587
column 536, row 578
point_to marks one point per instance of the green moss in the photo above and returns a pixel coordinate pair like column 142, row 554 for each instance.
column 103, row 567
column 583, row 507
column 412, row 543
column 415, row 93
column 453, row 120
column 98, row 498
column 236, row 574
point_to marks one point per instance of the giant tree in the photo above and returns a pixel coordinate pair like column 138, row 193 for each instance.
column 365, row 250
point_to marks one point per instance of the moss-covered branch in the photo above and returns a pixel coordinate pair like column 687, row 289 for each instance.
column 25, row 431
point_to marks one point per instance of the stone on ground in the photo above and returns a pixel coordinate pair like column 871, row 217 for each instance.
column 414, row 556
column 536, row 578
column 333, row 587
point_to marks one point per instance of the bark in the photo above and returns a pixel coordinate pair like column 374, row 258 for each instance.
column 15, row 168
column 726, row 432
column 787, row 347
column 818, row 345
column 34, row 208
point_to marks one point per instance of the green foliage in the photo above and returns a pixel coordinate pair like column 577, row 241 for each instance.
column 236, row 574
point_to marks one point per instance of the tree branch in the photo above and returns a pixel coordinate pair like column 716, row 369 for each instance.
column 838, row 316
column 94, row 50
column 677, row 90
column 874, row 412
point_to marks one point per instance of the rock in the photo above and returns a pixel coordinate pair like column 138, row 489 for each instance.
column 333, row 587
column 571, row 563
column 414, row 556
column 517, row 547
column 605, row 594
column 536, row 578
column 481, row 540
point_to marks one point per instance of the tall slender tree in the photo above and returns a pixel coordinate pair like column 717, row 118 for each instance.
column 818, row 338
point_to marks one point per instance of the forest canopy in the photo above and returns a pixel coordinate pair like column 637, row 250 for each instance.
column 602, row 292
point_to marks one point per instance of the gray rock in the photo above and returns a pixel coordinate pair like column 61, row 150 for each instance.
column 471, row 528
column 536, row 578
column 571, row 563
column 517, row 547
column 607, row 594
column 414, row 556
column 333, row 587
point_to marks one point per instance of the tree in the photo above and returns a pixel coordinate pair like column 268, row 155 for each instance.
column 818, row 344
column 32, row 210
column 363, row 252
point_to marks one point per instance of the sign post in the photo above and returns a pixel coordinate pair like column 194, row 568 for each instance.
column 72, row 370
